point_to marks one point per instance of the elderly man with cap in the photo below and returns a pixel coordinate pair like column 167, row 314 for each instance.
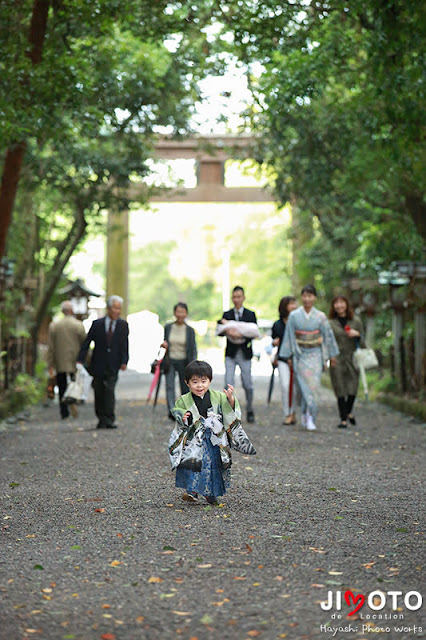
column 64, row 342
column 110, row 355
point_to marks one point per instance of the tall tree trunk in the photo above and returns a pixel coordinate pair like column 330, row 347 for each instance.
column 416, row 207
column 67, row 249
column 15, row 154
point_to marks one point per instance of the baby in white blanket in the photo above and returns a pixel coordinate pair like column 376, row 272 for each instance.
column 237, row 331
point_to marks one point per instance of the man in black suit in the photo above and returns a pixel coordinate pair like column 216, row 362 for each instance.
column 240, row 354
column 110, row 355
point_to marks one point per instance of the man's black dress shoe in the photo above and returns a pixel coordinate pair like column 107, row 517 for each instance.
column 352, row 419
column 111, row 426
column 250, row 416
column 342, row 425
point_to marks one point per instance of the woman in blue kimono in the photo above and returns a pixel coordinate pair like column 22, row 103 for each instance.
column 308, row 342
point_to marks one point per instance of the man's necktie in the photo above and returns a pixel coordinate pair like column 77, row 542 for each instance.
column 109, row 334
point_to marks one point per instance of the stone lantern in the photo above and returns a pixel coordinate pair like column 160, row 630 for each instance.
column 79, row 295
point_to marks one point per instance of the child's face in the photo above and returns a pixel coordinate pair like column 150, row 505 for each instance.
column 198, row 386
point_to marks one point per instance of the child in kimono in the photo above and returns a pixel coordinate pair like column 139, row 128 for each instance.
column 208, row 424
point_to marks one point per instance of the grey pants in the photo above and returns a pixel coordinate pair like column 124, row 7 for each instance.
column 179, row 367
column 245, row 368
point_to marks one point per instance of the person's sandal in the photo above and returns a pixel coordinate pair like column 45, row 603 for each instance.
column 191, row 497
column 289, row 420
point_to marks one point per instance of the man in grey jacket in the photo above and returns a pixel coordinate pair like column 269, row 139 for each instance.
column 65, row 338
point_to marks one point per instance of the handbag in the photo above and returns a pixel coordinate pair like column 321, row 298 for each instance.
column 365, row 359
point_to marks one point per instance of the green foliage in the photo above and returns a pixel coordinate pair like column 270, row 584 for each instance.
column 339, row 114
column 89, row 110
column 26, row 390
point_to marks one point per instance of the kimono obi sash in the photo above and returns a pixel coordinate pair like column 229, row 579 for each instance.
column 308, row 339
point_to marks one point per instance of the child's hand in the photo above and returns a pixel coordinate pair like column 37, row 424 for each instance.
column 229, row 392
column 186, row 416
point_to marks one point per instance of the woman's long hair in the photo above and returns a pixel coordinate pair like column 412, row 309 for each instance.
column 349, row 310
column 283, row 306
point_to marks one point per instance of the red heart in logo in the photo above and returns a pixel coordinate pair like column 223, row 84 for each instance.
column 348, row 596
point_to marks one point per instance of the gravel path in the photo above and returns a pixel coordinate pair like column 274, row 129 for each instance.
column 97, row 544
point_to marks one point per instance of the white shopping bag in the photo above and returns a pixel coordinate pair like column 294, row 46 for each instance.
column 77, row 390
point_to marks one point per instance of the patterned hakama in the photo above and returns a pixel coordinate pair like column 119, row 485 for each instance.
column 212, row 480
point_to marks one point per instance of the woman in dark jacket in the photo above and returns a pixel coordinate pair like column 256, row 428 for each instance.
column 348, row 331
column 287, row 304
column 179, row 340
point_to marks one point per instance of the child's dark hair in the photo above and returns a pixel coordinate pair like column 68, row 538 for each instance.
column 198, row 368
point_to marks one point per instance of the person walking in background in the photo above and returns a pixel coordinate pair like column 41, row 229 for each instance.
column 348, row 331
column 110, row 355
column 64, row 342
column 288, row 386
column 179, row 340
column 308, row 341
column 239, row 354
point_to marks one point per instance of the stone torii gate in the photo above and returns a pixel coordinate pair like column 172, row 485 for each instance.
column 210, row 154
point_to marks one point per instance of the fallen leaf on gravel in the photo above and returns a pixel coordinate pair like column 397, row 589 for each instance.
column 206, row 619
column 335, row 573
column 106, row 606
column 249, row 548
column 30, row 535
column 47, row 590
column 167, row 595
column 38, row 567
column 108, row 636
column 115, row 563
column 238, row 578
column 47, row 597
column 35, row 611
column 75, row 595
column 34, row 630
column 204, row 566
column 155, row 579
column 179, row 580
column 317, row 550
column 99, row 510
column 278, row 578
column 318, row 586
column 253, row 633
column 140, row 619
column 182, row 613
column 106, row 615
column 368, row 565
column 287, row 595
